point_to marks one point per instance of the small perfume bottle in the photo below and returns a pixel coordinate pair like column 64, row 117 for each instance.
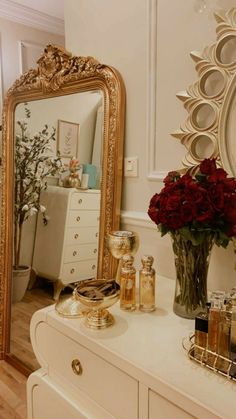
column 201, row 336
column 147, row 278
column 128, row 284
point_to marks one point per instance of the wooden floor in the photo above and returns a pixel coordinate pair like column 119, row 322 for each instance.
column 12, row 393
column 20, row 325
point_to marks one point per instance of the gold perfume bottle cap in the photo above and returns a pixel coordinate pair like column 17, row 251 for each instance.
column 127, row 261
column 147, row 261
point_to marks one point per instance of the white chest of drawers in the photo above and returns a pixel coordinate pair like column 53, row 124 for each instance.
column 137, row 369
column 66, row 248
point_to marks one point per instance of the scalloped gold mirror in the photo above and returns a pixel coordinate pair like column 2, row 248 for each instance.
column 57, row 94
column 209, row 130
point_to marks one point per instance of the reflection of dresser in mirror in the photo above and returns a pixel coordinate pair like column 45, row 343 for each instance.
column 66, row 248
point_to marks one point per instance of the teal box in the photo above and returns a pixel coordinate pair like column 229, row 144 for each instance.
column 91, row 170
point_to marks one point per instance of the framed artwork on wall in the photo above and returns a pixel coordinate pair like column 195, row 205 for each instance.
column 67, row 138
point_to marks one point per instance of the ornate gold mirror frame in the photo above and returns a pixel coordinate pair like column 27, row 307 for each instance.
column 59, row 73
column 208, row 101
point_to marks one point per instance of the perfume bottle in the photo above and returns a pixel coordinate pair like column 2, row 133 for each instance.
column 128, row 284
column 224, row 337
column 201, row 336
column 147, row 279
column 217, row 303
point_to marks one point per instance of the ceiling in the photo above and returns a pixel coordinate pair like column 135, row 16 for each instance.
column 50, row 7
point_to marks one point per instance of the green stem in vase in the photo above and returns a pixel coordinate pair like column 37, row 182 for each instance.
column 191, row 262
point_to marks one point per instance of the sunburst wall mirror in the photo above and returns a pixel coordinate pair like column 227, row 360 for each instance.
column 210, row 128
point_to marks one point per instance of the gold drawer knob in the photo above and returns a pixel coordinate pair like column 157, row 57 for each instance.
column 78, row 218
column 76, row 236
column 95, row 251
column 76, row 367
column 72, row 271
column 96, row 234
column 80, row 201
column 74, row 253
column 93, row 267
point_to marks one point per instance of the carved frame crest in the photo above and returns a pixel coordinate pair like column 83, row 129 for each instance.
column 59, row 73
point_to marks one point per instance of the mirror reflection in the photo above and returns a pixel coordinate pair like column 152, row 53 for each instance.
column 56, row 225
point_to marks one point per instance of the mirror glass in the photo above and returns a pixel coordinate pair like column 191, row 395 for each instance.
column 45, row 210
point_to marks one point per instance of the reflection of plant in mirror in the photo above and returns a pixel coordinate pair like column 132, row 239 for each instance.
column 32, row 166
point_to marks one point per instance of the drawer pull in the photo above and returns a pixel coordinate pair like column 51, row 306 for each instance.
column 74, row 253
column 80, row 201
column 78, row 218
column 93, row 267
column 95, row 251
column 76, row 236
column 96, row 234
column 72, row 271
column 76, row 367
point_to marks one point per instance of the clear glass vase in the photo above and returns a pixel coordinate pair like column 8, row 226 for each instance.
column 191, row 264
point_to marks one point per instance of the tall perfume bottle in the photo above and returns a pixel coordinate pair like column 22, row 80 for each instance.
column 224, row 337
column 147, row 278
column 213, row 328
column 201, row 335
column 128, row 284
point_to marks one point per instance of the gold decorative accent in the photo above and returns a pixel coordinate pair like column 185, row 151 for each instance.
column 59, row 73
column 207, row 97
column 98, row 317
column 121, row 243
column 76, row 367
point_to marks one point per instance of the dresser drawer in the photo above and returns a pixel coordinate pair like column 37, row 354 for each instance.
column 160, row 408
column 83, row 252
column 107, row 385
column 76, row 271
column 85, row 201
column 81, row 235
column 83, row 218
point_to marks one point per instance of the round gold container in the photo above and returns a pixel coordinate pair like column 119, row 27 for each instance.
column 98, row 316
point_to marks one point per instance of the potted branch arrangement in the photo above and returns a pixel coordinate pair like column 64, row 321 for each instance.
column 32, row 166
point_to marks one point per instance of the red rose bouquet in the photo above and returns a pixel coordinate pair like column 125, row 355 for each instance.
column 197, row 211
column 195, row 205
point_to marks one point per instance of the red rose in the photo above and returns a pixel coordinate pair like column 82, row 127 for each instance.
column 173, row 202
column 229, row 185
column 171, row 177
column 216, row 195
column 208, row 166
column 219, row 174
column 205, row 212
column 188, row 212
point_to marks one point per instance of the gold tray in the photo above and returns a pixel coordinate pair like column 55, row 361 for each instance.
column 202, row 355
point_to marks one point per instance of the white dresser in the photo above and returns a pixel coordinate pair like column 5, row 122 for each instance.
column 66, row 248
column 136, row 369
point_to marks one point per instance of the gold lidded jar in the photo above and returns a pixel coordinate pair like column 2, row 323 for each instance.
column 128, row 284
column 147, row 279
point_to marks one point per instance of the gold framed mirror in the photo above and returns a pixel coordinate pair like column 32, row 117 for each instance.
column 61, row 78
column 208, row 131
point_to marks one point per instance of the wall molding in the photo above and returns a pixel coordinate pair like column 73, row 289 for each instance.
column 139, row 219
column 30, row 17
column 152, row 171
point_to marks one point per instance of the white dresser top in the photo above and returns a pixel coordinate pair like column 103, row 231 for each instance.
column 148, row 346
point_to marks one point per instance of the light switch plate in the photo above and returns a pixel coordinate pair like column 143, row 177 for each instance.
column 131, row 167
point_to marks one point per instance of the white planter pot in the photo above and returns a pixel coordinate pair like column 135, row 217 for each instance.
column 20, row 280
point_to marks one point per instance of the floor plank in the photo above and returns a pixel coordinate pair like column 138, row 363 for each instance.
column 22, row 312
column 12, row 393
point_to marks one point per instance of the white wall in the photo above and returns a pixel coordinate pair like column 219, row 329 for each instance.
column 11, row 33
column 118, row 33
